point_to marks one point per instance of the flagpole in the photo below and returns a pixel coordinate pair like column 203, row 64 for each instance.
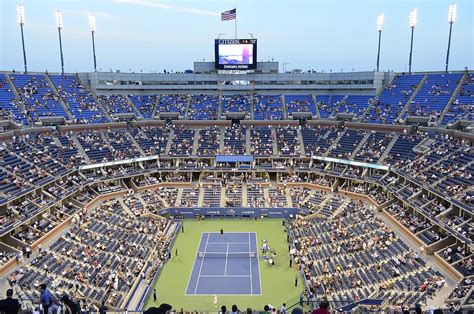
column 235, row 22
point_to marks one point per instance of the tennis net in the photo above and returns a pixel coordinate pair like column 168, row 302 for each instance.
column 227, row 255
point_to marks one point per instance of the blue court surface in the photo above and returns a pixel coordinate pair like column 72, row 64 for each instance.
column 226, row 265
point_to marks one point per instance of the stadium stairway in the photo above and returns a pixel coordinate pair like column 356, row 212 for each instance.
column 200, row 198
column 60, row 99
column 245, row 194
column 388, row 149
column 101, row 106
column 219, row 104
column 188, row 103
column 283, row 103
column 318, row 115
column 221, row 140
column 361, row 144
column 248, row 149
column 274, row 142
column 135, row 109
column 81, row 149
column 366, row 111
column 451, row 100
column 266, row 196
column 300, row 139
column 134, row 142
column 412, row 97
column 252, row 105
column 179, row 196
column 168, row 144
column 317, row 208
column 197, row 135
column 334, row 144
column 106, row 141
column 155, row 106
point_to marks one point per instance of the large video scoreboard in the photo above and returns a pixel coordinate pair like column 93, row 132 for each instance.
column 236, row 54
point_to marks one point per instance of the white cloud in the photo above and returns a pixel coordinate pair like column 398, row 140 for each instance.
column 166, row 6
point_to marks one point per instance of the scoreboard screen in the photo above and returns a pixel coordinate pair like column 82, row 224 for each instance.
column 236, row 54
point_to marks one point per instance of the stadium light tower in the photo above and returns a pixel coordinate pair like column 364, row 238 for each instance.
column 412, row 23
column 380, row 19
column 59, row 24
column 451, row 19
column 20, row 12
column 92, row 27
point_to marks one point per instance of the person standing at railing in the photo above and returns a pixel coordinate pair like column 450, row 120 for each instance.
column 10, row 305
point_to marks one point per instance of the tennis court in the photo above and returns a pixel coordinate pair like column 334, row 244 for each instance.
column 226, row 265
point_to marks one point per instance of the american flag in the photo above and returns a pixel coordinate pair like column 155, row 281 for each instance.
column 229, row 15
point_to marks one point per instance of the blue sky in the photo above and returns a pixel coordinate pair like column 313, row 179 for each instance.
column 151, row 35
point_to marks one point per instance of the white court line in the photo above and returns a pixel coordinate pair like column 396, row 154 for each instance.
column 194, row 264
column 250, row 260
column 225, row 276
column 200, row 268
column 230, row 232
column 228, row 242
column 258, row 265
column 226, row 254
column 226, row 294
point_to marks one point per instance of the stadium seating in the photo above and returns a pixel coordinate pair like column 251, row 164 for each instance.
column 116, row 104
column 300, row 103
column 419, row 179
column 37, row 96
column 434, row 95
column 462, row 107
column 234, row 140
column 203, row 107
column 347, row 144
column 329, row 107
column 268, row 107
column 9, row 108
column 327, row 104
column 394, row 97
column 144, row 104
column 287, row 141
column 374, row 147
column 342, row 261
column 172, row 103
column 183, row 141
column 78, row 100
column 209, row 142
column 236, row 103
column 261, row 143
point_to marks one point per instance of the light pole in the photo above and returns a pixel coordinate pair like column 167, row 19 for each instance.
column 412, row 23
column 451, row 19
column 20, row 12
column 59, row 24
column 92, row 27
column 380, row 19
